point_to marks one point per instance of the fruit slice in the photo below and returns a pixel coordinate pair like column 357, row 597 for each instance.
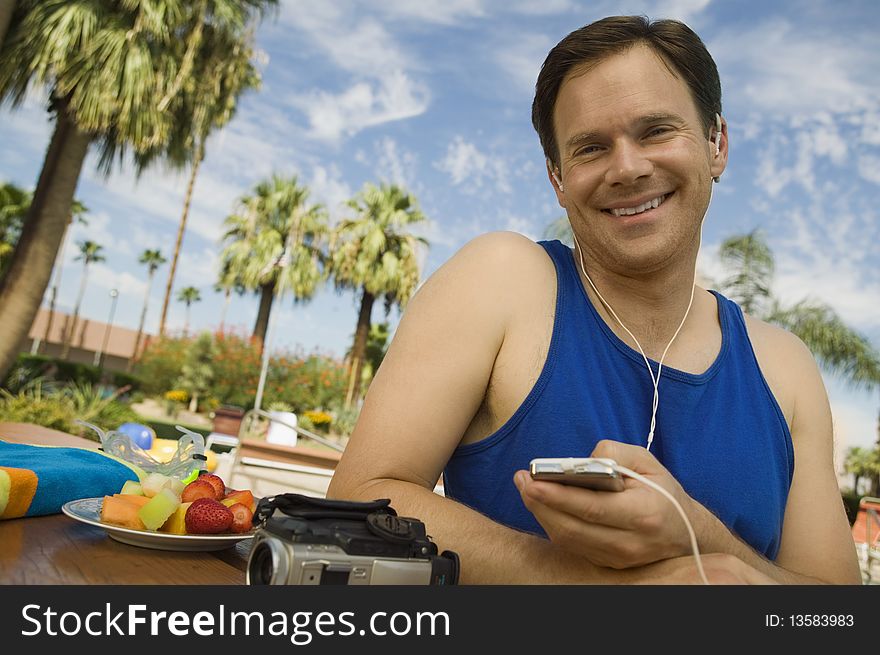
column 242, row 517
column 137, row 501
column 160, row 507
column 243, row 496
column 208, row 516
column 154, row 483
column 176, row 523
column 118, row 510
column 216, row 482
column 132, row 488
column 197, row 489
column 177, row 486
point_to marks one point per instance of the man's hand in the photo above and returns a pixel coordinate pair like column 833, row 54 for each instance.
column 616, row 529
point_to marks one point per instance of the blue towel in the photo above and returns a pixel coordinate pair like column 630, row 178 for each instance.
column 38, row 480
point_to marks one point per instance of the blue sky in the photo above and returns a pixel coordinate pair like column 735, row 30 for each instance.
column 436, row 96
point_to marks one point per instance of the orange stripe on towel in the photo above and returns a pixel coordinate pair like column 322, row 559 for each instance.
column 18, row 487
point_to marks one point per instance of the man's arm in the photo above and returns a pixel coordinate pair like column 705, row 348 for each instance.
column 427, row 391
column 817, row 545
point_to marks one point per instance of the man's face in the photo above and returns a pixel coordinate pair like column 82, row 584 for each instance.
column 630, row 137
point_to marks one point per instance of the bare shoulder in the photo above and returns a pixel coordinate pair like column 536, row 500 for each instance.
column 508, row 251
column 788, row 366
column 491, row 268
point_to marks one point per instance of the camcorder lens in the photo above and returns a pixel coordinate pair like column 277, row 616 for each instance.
column 267, row 564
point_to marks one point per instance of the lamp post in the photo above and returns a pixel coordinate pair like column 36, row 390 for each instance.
column 99, row 356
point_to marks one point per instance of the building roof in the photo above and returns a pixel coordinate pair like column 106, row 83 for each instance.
column 88, row 335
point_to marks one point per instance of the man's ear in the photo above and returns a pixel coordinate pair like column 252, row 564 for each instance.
column 556, row 183
column 719, row 159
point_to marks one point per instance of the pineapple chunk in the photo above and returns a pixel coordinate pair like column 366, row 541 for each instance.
column 176, row 523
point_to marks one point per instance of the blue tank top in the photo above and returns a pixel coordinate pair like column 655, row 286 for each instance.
column 720, row 433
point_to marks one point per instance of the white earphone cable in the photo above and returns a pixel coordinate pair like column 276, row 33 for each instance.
column 693, row 537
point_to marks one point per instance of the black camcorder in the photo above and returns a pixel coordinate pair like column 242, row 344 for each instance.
column 302, row 540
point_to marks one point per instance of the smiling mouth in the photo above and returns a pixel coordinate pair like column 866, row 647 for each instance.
column 639, row 209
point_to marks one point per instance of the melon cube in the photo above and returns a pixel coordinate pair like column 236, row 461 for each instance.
column 175, row 485
column 154, row 483
column 137, row 501
column 132, row 488
column 160, row 507
column 117, row 510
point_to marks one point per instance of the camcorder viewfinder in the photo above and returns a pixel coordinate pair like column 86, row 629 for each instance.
column 302, row 540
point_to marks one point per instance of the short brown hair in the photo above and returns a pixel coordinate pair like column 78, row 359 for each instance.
column 676, row 44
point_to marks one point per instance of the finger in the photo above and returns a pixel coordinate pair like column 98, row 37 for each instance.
column 575, row 535
column 632, row 457
column 614, row 509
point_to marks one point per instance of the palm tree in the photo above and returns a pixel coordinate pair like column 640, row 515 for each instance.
column 107, row 67
column 14, row 203
column 77, row 212
column 858, row 463
column 837, row 347
column 273, row 245
column 153, row 259
column 89, row 253
column 375, row 254
column 6, row 11
column 188, row 295
column 225, row 63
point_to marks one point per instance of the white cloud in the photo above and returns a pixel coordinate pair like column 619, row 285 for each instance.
column 103, row 230
column 472, row 169
column 521, row 225
column 443, row 12
column 128, row 285
column 521, row 59
column 869, row 168
column 382, row 90
column 683, row 10
column 395, row 164
column 327, row 187
column 781, row 70
column 365, row 104
column 543, row 8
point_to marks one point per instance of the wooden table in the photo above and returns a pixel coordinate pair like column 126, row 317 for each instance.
column 56, row 549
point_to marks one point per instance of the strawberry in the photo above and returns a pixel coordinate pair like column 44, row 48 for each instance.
column 242, row 518
column 207, row 516
column 196, row 489
column 216, row 482
column 244, row 496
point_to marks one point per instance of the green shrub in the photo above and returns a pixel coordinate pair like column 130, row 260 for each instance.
column 161, row 363
column 75, row 372
column 121, row 379
column 303, row 382
column 27, row 369
column 58, row 407
column 34, row 406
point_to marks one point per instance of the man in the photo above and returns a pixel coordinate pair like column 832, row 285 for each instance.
column 515, row 350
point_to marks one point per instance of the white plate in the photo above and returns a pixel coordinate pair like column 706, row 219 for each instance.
column 88, row 510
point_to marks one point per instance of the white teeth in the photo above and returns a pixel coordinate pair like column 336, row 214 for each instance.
column 631, row 211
